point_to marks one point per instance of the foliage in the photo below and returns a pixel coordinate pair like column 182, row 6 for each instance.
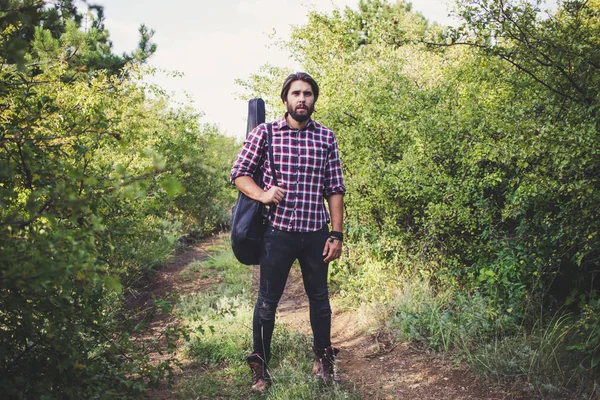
column 550, row 204
column 472, row 149
column 25, row 21
column 542, row 355
column 99, row 177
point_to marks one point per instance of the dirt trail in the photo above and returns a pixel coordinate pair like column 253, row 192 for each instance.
column 379, row 368
column 169, row 280
column 374, row 365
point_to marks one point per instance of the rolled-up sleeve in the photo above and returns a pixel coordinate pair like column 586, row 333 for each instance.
column 334, row 181
column 248, row 159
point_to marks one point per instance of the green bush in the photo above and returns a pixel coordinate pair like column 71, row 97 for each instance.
column 472, row 154
column 93, row 194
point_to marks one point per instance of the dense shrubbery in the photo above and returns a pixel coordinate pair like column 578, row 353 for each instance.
column 472, row 165
column 471, row 152
column 99, row 177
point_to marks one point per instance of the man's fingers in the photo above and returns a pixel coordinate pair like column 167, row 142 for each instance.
column 332, row 251
column 276, row 194
column 326, row 251
column 331, row 255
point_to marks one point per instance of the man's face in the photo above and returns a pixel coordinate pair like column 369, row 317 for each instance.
column 300, row 101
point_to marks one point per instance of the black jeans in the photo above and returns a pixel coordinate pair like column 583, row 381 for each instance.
column 279, row 251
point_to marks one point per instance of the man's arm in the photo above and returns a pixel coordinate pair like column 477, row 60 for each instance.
column 333, row 248
column 336, row 211
column 247, row 186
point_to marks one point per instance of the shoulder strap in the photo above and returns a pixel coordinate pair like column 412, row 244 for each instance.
column 271, row 158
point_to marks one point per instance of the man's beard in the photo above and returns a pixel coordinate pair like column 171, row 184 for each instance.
column 300, row 117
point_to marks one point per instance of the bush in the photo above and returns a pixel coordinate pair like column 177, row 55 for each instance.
column 92, row 196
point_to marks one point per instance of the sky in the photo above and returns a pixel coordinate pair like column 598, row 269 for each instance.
column 213, row 43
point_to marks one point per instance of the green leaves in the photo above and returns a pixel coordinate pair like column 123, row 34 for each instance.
column 99, row 178
column 474, row 148
column 172, row 186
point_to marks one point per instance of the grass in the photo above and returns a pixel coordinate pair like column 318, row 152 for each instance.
column 397, row 297
column 220, row 322
column 539, row 358
column 547, row 357
column 542, row 357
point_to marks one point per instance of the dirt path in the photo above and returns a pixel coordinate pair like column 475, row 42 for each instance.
column 379, row 368
column 375, row 366
column 169, row 280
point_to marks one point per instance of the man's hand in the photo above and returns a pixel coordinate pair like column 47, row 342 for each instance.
column 332, row 250
column 272, row 196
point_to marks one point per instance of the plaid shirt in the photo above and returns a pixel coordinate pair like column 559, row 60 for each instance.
column 307, row 165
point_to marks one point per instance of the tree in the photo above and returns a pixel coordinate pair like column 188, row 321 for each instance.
column 94, row 166
column 22, row 20
column 473, row 150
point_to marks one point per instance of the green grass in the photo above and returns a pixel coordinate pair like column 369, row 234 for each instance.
column 542, row 356
column 550, row 357
column 465, row 325
column 397, row 296
column 220, row 323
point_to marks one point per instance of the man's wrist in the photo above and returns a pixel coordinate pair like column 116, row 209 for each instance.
column 336, row 235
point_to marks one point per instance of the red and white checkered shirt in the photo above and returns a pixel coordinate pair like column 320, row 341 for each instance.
column 307, row 164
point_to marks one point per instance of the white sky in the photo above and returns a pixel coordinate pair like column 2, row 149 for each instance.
column 215, row 42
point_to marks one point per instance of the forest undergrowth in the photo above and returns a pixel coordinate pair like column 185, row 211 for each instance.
column 471, row 159
column 217, row 316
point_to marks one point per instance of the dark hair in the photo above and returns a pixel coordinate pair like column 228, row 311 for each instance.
column 299, row 76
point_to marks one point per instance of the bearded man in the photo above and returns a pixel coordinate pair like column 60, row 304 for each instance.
column 308, row 170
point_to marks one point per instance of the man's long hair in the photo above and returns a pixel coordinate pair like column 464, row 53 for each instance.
column 299, row 76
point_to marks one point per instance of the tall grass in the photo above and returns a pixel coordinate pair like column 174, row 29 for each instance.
column 544, row 355
column 220, row 322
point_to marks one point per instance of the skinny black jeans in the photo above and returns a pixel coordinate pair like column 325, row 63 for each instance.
column 279, row 251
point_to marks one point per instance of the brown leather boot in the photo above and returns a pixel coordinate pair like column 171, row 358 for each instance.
column 260, row 375
column 324, row 366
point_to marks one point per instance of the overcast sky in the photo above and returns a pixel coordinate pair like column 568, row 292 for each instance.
column 215, row 42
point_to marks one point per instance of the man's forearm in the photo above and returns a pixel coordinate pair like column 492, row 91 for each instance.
column 247, row 186
column 336, row 211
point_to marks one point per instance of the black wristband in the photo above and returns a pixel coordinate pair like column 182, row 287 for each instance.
column 336, row 235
